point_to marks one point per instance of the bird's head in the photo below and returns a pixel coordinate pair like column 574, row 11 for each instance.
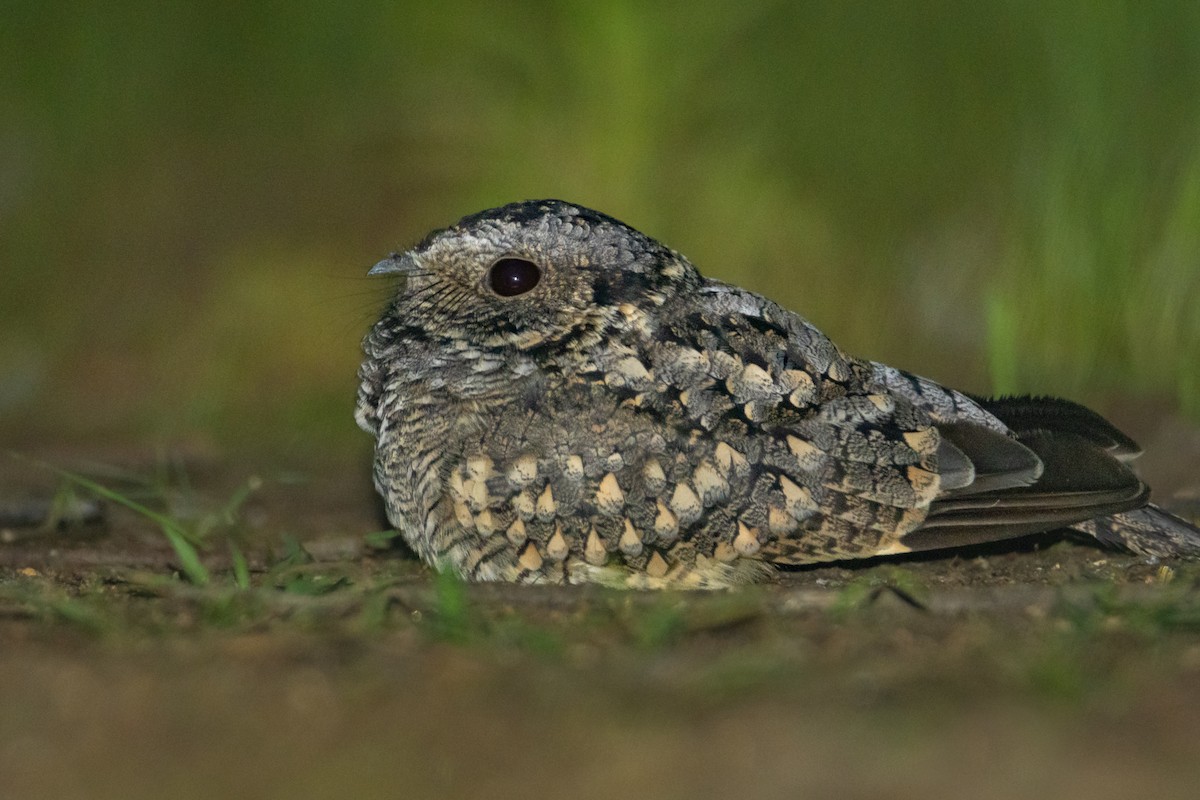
column 528, row 277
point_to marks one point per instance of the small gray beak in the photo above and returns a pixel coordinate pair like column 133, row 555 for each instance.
column 395, row 264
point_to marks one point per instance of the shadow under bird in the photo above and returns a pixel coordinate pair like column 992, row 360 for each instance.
column 556, row 397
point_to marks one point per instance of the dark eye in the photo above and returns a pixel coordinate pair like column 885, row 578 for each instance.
column 509, row 277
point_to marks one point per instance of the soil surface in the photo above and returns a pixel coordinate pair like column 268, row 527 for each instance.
column 336, row 665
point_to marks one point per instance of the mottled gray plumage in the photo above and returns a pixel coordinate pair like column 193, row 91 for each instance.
column 557, row 397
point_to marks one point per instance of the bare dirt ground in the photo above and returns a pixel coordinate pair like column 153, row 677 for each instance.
column 1047, row 667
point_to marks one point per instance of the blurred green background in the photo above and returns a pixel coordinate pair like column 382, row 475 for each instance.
column 1004, row 196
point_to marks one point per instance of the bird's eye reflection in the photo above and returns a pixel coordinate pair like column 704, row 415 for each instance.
column 510, row 277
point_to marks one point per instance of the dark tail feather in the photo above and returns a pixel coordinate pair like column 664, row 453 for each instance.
column 1147, row 531
column 1081, row 480
column 1023, row 414
column 1067, row 467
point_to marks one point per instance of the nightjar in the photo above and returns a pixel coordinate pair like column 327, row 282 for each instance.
column 556, row 397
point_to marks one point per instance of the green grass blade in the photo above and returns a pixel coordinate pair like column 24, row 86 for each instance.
column 241, row 570
column 189, row 559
